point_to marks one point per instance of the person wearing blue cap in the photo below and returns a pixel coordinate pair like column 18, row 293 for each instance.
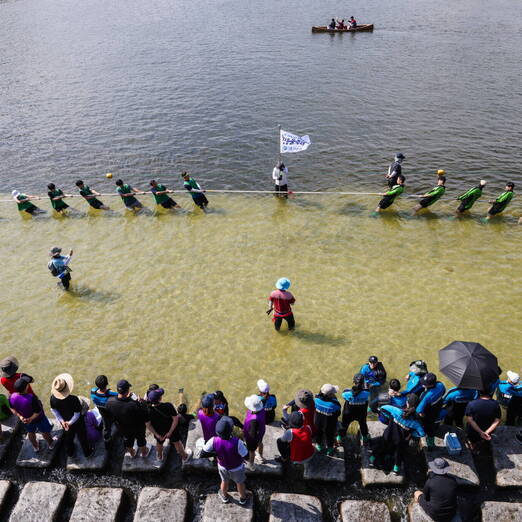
column 281, row 301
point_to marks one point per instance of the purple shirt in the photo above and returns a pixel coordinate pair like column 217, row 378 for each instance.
column 208, row 424
column 260, row 433
column 227, row 452
column 25, row 404
column 91, row 427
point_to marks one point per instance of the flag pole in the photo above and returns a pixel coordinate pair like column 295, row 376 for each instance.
column 279, row 144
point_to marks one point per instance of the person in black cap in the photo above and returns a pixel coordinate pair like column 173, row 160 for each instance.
column 59, row 266
column 373, row 372
column 430, row 404
column 164, row 421
column 295, row 443
column 231, row 453
column 131, row 418
column 395, row 169
column 439, row 496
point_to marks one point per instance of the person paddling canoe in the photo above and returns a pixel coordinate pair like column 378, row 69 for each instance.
column 389, row 197
column 24, row 203
column 467, row 200
column 434, row 194
column 500, row 204
column 332, row 25
column 353, row 22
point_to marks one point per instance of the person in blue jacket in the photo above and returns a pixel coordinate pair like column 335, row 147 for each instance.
column 509, row 395
column 430, row 404
column 327, row 410
column 418, row 369
column 100, row 394
column 373, row 372
column 355, row 408
column 269, row 400
column 454, row 403
column 403, row 425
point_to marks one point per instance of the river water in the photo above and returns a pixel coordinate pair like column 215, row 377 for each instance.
column 148, row 89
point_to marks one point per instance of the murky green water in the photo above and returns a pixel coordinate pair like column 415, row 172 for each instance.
column 180, row 299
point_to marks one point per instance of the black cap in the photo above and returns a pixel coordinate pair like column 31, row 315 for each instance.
column 358, row 378
column 429, row 380
column 373, row 359
column 296, row 419
column 123, row 386
column 224, row 427
column 21, row 383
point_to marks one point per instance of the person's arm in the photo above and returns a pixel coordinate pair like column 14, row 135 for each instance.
column 466, row 194
column 426, row 490
column 57, row 198
column 173, row 426
column 493, row 427
column 208, row 449
column 74, row 418
column 287, row 436
column 475, row 426
column 56, row 413
column 242, row 449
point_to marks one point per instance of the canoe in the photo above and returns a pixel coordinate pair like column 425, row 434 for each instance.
column 324, row 29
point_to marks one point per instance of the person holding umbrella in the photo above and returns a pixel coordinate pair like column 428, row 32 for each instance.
column 482, row 419
column 430, row 404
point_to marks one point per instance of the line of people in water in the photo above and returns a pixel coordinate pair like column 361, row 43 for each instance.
column 127, row 193
column 312, row 423
column 395, row 180
column 340, row 25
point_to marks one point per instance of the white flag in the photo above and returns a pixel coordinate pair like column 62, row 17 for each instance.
column 293, row 143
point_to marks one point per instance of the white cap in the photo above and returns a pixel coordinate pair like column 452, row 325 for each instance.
column 513, row 377
column 254, row 403
column 15, row 193
column 263, row 386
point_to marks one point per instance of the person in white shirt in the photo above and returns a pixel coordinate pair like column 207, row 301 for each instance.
column 280, row 179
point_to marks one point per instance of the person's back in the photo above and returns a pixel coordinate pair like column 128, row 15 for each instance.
column 439, row 498
column 126, row 413
column 483, row 411
column 282, row 301
column 100, row 397
column 207, row 417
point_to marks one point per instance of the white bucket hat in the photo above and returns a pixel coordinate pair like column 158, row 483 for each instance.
column 329, row 389
column 254, row 403
column 263, row 386
column 513, row 377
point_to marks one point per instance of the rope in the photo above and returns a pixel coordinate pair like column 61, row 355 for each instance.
column 230, row 191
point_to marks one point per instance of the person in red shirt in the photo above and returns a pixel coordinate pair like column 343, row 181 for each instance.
column 8, row 368
column 280, row 302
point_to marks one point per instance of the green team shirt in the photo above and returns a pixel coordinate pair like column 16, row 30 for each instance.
column 4, row 403
column 395, row 191
column 86, row 191
column 505, row 198
column 23, row 205
column 159, row 198
column 59, row 203
column 126, row 189
column 191, row 184
column 469, row 197
column 436, row 193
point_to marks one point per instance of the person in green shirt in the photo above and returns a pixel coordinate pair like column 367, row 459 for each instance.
column 24, row 203
column 127, row 195
column 56, row 196
column 467, row 200
column 196, row 191
column 90, row 196
column 389, row 197
column 160, row 192
column 500, row 204
column 434, row 194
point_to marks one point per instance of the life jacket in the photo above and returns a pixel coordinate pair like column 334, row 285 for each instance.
column 301, row 447
column 506, row 391
column 52, row 267
column 410, row 424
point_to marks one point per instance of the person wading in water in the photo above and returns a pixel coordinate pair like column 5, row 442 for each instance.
column 58, row 266
column 281, row 301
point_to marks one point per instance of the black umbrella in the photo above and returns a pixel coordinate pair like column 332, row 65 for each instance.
column 468, row 365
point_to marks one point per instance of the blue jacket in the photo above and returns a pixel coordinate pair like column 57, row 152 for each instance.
column 431, row 400
column 270, row 403
column 329, row 407
column 371, row 377
column 356, row 399
column 101, row 400
column 399, row 401
column 411, row 424
column 413, row 384
column 460, row 395
column 506, row 391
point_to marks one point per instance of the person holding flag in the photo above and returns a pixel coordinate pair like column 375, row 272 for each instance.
column 279, row 175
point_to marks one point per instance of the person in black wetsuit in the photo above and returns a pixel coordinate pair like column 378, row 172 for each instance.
column 439, row 496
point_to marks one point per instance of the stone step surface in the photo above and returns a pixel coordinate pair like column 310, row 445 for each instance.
column 417, row 514
column 194, row 434
column 148, row 464
column 501, row 511
column 161, row 505
column 357, row 510
column 462, row 465
column 27, row 458
column 10, row 428
column 288, row 507
column 214, row 510
column 325, row 468
column 5, row 486
column 507, row 457
column 374, row 476
column 95, row 462
column 38, row 501
column 97, row 504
